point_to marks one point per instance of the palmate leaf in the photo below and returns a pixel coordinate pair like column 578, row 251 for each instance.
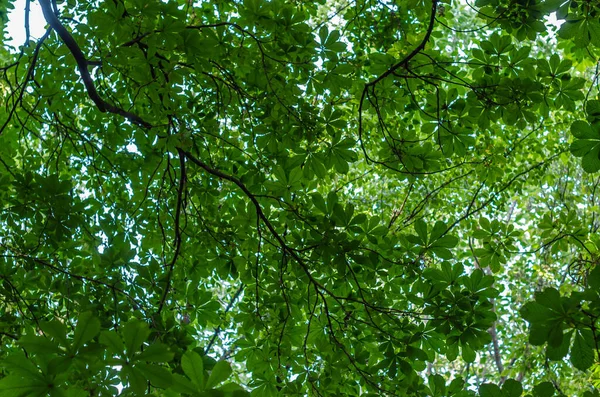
column 582, row 31
column 586, row 144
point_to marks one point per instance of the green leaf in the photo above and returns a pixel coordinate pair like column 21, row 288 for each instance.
column 219, row 374
column 555, row 336
column 591, row 161
column 134, row 334
column 182, row 385
column 56, row 330
column 193, row 367
column 594, row 278
column 156, row 352
column 157, row 375
column 468, row 354
column 113, row 341
column 16, row 386
column 538, row 334
column 421, row 229
column 323, row 33
column 319, row 203
column 490, row 390
column 452, row 352
column 437, row 384
column 580, row 148
column 544, row 389
column 587, row 144
column 136, row 379
column 87, row 328
column 39, row 345
column 592, row 108
column 20, row 365
column 534, row 312
column 512, row 388
column 559, row 352
column 550, row 297
column 582, row 130
column 582, row 352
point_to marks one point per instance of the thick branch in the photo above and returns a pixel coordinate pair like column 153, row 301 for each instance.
column 82, row 66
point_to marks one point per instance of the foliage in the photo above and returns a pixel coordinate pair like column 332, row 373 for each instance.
column 230, row 198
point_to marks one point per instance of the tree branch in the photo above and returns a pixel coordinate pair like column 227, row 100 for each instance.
column 391, row 70
column 171, row 266
column 82, row 66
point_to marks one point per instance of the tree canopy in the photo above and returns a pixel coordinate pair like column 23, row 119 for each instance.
column 301, row 198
